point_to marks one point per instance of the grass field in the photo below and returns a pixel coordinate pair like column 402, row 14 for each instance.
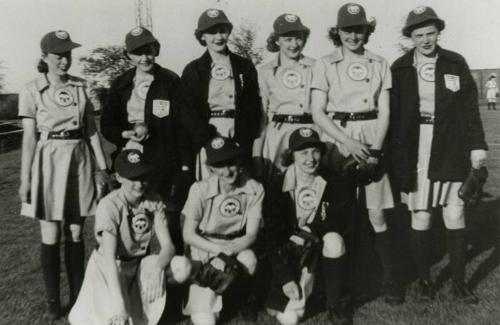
column 22, row 294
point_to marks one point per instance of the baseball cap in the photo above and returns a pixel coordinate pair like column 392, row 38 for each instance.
column 221, row 149
column 352, row 14
column 130, row 164
column 138, row 37
column 420, row 15
column 210, row 18
column 303, row 138
column 286, row 23
column 57, row 42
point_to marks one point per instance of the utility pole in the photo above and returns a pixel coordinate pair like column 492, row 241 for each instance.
column 143, row 15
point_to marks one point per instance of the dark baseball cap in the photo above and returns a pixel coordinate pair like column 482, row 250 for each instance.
column 286, row 23
column 130, row 164
column 351, row 14
column 57, row 42
column 210, row 18
column 303, row 138
column 138, row 37
column 420, row 15
column 221, row 149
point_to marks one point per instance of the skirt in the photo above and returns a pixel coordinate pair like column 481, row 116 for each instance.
column 428, row 194
column 62, row 181
column 491, row 95
column 378, row 194
column 95, row 305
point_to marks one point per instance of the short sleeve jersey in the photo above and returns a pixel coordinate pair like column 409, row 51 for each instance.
column 352, row 82
column 221, row 91
column 137, row 101
column 224, row 213
column 132, row 226
column 55, row 107
column 426, row 67
column 286, row 89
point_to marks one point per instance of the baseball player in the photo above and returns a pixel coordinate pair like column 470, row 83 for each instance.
column 350, row 104
column 309, row 216
column 221, row 88
column 60, row 144
column 284, row 88
column 436, row 136
column 491, row 92
column 124, row 283
column 222, row 215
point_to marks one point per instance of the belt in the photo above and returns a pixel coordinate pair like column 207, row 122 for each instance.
column 125, row 258
column 300, row 119
column 65, row 135
column 230, row 236
column 226, row 113
column 343, row 117
column 426, row 119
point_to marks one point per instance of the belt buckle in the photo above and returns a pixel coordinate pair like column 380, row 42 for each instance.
column 290, row 119
column 432, row 119
column 352, row 116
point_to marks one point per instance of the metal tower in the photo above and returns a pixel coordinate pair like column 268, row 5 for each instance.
column 143, row 16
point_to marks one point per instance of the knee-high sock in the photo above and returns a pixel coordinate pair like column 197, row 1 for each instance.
column 334, row 276
column 456, row 241
column 74, row 254
column 420, row 247
column 51, row 269
column 383, row 248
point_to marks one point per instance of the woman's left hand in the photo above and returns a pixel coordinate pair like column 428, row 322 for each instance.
column 478, row 158
column 153, row 286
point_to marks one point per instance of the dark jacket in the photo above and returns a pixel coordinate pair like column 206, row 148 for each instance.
column 167, row 146
column 457, row 125
column 195, row 84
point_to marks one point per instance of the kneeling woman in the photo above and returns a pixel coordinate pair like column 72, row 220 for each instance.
column 123, row 283
column 222, row 215
column 307, row 221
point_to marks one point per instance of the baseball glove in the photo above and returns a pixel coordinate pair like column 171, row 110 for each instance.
column 365, row 171
column 218, row 273
column 472, row 189
column 300, row 249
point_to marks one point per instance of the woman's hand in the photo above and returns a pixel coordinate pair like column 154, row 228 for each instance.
column 291, row 290
column 121, row 318
column 153, row 287
column 478, row 158
column 24, row 191
column 358, row 150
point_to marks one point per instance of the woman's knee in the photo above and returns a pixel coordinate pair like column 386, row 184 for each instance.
column 421, row 220
column 50, row 232
column 73, row 232
column 248, row 259
column 454, row 217
column 179, row 269
column 204, row 318
column 333, row 245
column 377, row 219
column 288, row 317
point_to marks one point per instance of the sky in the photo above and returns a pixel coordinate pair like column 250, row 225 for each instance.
column 471, row 27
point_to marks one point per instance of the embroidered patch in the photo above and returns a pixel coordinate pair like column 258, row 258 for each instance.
column 217, row 143
column 291, row 18
column 137, row 31
column 427, row 72
column 140, row 223
column 353, row 9
column 230, row 207
column 161, row 108
column 452, row 82
column 63, row 97
column 307, row 199
column 220, row 72
column 419, row 10
column 142, row 89
column 212, row 13
column 305, row 132
column 357, row 71
column 62, row 34
column 291, row 79
column 133, row 158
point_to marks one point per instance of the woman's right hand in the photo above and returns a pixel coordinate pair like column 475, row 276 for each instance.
column 24, row 191
column 291, row 290
column 357, row 149
column 121, row 318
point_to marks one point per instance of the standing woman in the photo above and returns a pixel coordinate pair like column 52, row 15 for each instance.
column 284, row 88
column 350, row 103
column 436, row 136
column 492, row 91
column 61, row 150
column 221, row 89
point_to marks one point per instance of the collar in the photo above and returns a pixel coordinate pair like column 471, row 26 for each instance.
column 290, row 179
column 337, row 55
column 42, row 82
column 128, row 77
column 407, row 59
column 303, row 60
column 244, row 187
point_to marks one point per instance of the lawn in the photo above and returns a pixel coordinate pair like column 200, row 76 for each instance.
column 22, row 293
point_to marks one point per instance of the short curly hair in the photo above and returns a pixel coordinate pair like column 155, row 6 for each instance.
column 333, row 35
column 273, row 38
column 199, row 33
column 286, row 157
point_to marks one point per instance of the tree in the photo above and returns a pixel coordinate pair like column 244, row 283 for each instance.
column 242, row 42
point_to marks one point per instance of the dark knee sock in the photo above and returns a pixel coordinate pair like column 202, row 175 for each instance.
column 383, row 248
column 74, row 254
column 457, row 249
column 334, row 276
column 420, row 247
column 51, row 268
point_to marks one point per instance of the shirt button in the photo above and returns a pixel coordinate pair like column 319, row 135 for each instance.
column 75, row 123
column 367, row 79
column 301, row 105
column 370, row 60
column 365, row 100
column 74, row 104
column 143, row 248
column 301, row 86
column 230, row 96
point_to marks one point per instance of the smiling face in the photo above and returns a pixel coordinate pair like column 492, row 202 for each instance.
column 143, row 58
column 307, row 160
column 425, row 39
column 291, row 44
column 59, row 63
column 216, row 38
column 133, row 189
column 353, row 38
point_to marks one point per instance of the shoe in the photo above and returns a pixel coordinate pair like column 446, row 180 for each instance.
column 341, row 315
column 425, row 290
column 54, row 308
column 393, row 294
column 461, row 292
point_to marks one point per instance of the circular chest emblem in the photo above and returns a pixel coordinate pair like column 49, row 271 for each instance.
column 305, row 132
column 62, row 34
column 353, row 9
column 220, row 72
column 63, row 97
column 291, row 18
column 307, row 199
column 357, row 71
column 217, row 143
column 291, row 79
column 140, row 223
column 419, row 10
column 212, row 13
column 137, row 31
column 230, row 207
column 142, row 89
column 133, row 158
column 427, row 72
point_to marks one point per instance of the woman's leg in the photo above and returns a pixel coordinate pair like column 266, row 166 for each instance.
column 203, row 318
column 74, row 256
column 382, row 244
column 420, row 240
column 51, row 264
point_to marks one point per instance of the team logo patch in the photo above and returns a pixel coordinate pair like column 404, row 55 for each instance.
column 212, row 13
column 353, row 9
column 291, row 79
column 357, row 71
column 220, row 72
column 61, row 34
column 306, row 132
column 136, row 31
column 291, row 18
column 307, row 199
column 161, row 108
column 140, row 223
column 63, row 97
column 452, row 82
column 142, row 89
column 419, row 10
column 427, row 72
column 217, row 143
column 230, row 207
column 133, row 158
